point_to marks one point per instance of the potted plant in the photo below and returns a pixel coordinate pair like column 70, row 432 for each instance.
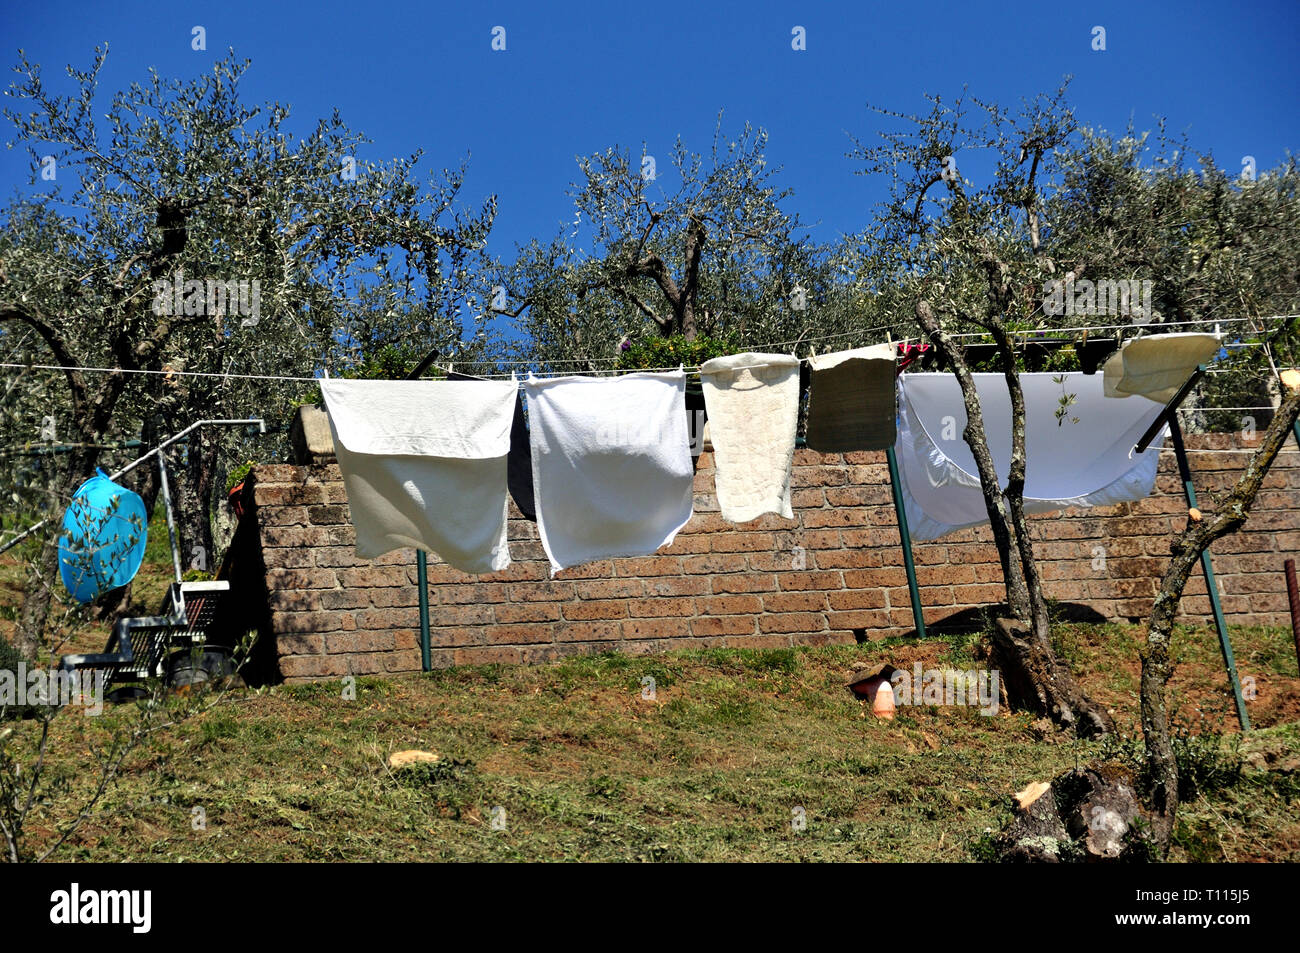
column 235, row 487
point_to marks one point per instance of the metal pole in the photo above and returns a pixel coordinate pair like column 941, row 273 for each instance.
column 1293, row 597
column 421, row 558
column 422, row 581
column 906, row 536
column 1207, row 566
column 171, row 522
column 258, row 421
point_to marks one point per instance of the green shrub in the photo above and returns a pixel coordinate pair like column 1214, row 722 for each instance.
column 237, row 475
column 674, row 350
column 1205, row 762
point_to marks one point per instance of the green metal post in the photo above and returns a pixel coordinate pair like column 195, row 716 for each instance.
column 1212, row 587
column 422, row 558
column 422, row 583
column 906, row 536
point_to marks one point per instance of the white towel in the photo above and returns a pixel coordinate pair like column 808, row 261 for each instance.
column 612, row 469
column 1157, row 365
column 752, row 402
column 424, row 463
column 1067, row 464
column 852, row 403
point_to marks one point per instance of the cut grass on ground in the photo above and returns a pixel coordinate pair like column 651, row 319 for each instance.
column 575, row 763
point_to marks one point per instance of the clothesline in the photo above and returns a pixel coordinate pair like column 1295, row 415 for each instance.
column 1227, row 450
column 1127, row 327
column 691, row 368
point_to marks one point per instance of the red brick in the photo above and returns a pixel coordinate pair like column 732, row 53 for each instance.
column 743, row 542
column 730, row 605
column 610, row 588
column 388, row 618
column 449, row 636
column 758, row 641
column 294, row 622
column 859, row 619
column 795, row 602
column 747, row 582
column 792, row 622
column 722, row 625
column 296, row 667
column 368, row 576
column 347, row 643
column 486, row 656
column 797, row 581
column 655, row 628
column 819, row 476
column 472, row 594
column 526, row 612
column 543, row 592
column 857, row 599
column 658, row 608
column 519, row 634
column 589, row 632
column 650, row 566
column 719, row 563
column 875, row 578
column 676, row 586
column 596, row 609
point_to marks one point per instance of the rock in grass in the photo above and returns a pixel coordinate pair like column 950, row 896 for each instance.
column 404, row 759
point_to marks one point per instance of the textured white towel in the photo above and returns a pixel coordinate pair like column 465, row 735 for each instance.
column 752, row 402
column 612, row 469
column 1157, row 365
column 424, row 463
column 852, row 404
column 1067, row 464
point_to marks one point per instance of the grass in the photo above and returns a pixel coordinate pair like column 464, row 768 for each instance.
column 693, row 755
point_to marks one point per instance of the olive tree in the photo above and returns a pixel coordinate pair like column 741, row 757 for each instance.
column 171, row 231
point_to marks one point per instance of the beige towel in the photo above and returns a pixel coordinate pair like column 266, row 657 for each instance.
column 424, row 464
column 752, row 402
column 852, row 404
column 1155, row 366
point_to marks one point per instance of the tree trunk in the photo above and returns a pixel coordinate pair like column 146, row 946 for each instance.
column 193, row 518
column 41, row 586
column 1022, row 647
column 1187, row 547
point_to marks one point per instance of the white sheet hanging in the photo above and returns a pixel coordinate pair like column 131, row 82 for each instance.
column 1067, row 464
column 1156, row 365
column 612, row 468
column 424, row 463
column 753, row 407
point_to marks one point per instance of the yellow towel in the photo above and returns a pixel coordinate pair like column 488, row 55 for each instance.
column 1157, row 365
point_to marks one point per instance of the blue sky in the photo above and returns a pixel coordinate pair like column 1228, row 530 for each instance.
column 579, row 77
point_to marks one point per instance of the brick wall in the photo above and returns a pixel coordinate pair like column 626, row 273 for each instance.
column 834, row 573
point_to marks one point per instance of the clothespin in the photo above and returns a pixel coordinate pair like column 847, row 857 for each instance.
column 1218, row 332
